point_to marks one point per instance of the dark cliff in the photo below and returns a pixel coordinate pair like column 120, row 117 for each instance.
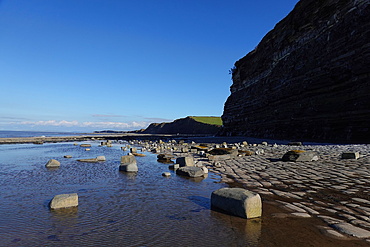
column 308, row 78
column 188, row 125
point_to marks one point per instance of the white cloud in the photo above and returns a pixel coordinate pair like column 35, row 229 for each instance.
column 103, row 125
column 62, row 123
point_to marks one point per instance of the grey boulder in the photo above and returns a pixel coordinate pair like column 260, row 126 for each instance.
column 237, row 201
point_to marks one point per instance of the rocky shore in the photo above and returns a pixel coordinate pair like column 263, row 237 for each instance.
column 330, row 193
column 332, row 188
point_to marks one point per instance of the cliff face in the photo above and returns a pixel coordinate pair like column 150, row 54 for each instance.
column 186, row 125
column 308, row 79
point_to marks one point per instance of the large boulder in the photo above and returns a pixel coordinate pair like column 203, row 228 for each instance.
column 190, row 171
column 64, row 201
column 185, row 161
column 237, row 201
column 52, row 163
column 128, row 164
column 299, row 155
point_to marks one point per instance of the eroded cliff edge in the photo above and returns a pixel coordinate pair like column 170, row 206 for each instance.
column 308, row 78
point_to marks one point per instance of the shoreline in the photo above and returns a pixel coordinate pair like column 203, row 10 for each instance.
column 327, row 200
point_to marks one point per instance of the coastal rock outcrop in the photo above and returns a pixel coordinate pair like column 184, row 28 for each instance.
column 308, row 78
column 188, row 125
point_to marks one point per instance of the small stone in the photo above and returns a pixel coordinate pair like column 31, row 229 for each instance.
column 85, row 145
column 101, row 158
column 67, row 156
column 64, row 201
column 303, row 215
column 52, row 163
column 166, row 174
column 351, row 155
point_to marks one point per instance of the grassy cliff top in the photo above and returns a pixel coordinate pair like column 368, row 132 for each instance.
column 208, row 120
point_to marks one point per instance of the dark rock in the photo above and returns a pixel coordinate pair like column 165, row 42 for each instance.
column 308, row 78
column 190, row 171
column 351, row 155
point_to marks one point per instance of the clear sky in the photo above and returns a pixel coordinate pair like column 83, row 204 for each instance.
column 83, row 65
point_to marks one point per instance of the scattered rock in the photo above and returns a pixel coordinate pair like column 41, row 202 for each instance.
column 237, row 201
column 101, row 158
column 67, row 156
column 128, row 164
column 190, row 171
column 351, row 155
column 138, row 154
column 52, row 163
column 299, row 155
column 164, row 158
column 166, row 174
column 64, row 201
column 352, row 230
column 185, row 161
column 85, row 145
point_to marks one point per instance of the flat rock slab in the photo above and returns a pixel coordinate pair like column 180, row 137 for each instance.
column 64, row 201
column 237, row 201
column 93, row 160
column 352, row 230
column 299, row 156
column 190, row 171
column 52, row 163
column 85, row 145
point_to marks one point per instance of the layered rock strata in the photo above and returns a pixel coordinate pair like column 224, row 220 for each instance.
column 308, row 79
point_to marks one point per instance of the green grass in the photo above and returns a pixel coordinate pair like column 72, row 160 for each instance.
column 208, row 120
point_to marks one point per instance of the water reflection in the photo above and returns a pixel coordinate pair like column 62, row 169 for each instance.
column 115, row 208
column 249, row 229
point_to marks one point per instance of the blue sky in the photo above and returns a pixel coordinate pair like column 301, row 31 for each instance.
column 84, row 65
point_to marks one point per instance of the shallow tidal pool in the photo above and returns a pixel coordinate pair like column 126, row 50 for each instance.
column 115, row 208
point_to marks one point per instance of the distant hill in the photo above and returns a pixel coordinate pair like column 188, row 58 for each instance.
column 188, row 125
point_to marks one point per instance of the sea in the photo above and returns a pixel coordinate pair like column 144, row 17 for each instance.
column 13, row 134
column 115, row 208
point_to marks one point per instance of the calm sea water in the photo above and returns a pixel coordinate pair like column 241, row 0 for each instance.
column 115, row 208
column 10, row 134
